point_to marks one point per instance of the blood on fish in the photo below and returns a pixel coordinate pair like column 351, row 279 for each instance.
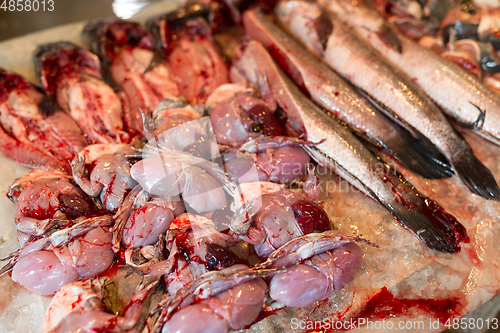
column 431, row 209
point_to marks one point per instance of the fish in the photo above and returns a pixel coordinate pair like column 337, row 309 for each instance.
column 392, row 91
column 339, row 150
column 341, row 100
column 459, row 94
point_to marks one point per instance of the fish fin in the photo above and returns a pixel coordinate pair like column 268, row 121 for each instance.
column 419, row 155
column 324, row 26
column 388, row 112
column 390, row 38
column 420, row 215
column 414, row 150
column 477, row 124
column 424, row 217
column 476, row 176
column 432, row 225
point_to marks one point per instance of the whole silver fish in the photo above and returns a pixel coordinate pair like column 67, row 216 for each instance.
column 338, row 97
column 460, row 94
column 343, row 152
column 393, row 91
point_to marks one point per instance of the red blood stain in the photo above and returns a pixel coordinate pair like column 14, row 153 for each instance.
column 385, row 305
column 430, row 208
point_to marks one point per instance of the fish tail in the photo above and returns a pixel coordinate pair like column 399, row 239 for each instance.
column 420, row 215
column 424, row 217
column 476, row 176
column 432, row 225
column 419, row 155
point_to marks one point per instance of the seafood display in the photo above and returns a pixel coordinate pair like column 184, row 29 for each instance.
column 399, row 97
column 34, row 131
column 335, row 95
column 249, row 165
column 472, row 99
column 466, row 35
column 344, row 153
